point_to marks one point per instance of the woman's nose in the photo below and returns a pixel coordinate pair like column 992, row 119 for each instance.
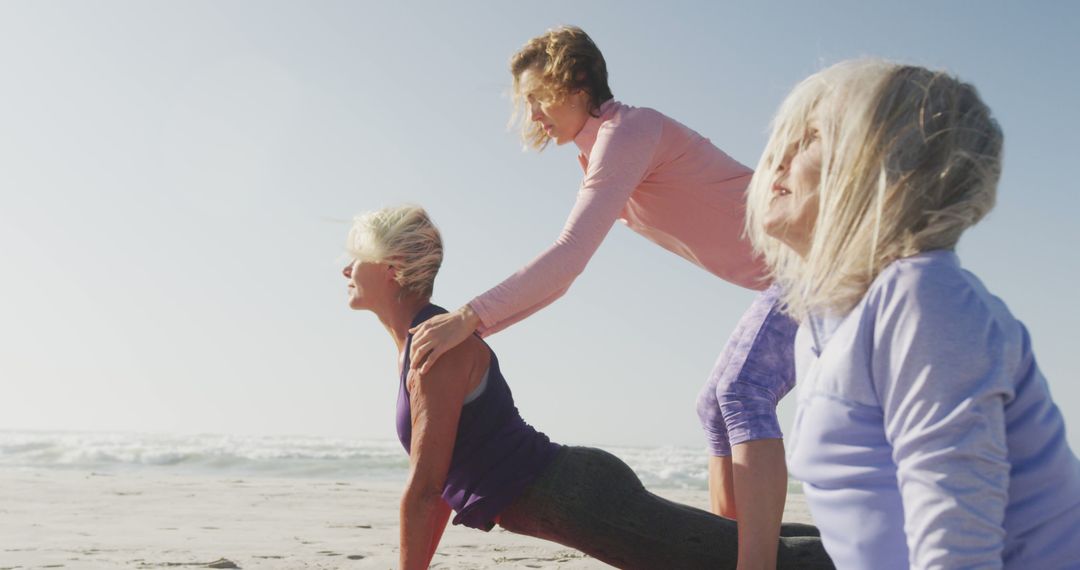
column 784, row 162
column 347, row 272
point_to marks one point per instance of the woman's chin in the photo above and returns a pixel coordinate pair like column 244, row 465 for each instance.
column 774, row 229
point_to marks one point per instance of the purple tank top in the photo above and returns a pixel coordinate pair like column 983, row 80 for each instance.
column 496, row 454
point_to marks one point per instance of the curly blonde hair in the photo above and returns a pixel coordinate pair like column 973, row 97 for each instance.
column 404, row 237
column 910, row 159
column 567, row 60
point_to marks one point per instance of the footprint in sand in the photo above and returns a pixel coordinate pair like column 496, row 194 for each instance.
column 366, row 526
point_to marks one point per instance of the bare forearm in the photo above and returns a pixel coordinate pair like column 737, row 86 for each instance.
column 441, row 516
column 423, row 514
column 722, row 487
column 760, row 477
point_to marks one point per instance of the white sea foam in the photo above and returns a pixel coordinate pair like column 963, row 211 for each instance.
column 669, row 467
column 283, row 456
column 288, row 456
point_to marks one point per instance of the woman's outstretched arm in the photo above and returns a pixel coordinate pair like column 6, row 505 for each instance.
column 619, row 161
column 436, row 408
column 441, row 517
column 754, row 476
column 760, row 487
column 722, row 487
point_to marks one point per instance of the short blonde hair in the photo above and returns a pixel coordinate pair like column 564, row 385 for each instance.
column 566, row 60
column 404, row 237
column 910, row 159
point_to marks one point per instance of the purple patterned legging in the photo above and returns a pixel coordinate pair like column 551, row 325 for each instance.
column 755, row 370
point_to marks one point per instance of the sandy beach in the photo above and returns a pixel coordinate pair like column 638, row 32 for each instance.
column 80, row 519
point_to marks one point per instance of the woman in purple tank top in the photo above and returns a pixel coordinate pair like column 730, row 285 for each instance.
column 471, row 452
column 677, row 189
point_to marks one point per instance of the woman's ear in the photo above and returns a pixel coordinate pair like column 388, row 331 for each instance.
column 580, row 98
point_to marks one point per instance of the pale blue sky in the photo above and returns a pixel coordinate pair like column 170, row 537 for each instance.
column 174, row 177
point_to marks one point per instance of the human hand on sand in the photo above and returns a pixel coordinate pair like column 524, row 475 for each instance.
column 437, row 335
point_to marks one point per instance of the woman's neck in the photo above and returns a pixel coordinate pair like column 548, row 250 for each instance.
column 397, row 317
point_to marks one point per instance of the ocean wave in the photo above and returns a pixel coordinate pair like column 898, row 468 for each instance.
column 293, row 456
column 284, row 456
column 671, row 467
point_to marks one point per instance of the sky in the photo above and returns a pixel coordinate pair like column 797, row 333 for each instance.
column 177, row 179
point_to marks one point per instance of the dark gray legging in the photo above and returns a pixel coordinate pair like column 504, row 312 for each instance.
column 590, row 500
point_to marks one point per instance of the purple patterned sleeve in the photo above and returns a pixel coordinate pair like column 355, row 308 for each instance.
column 755, row 370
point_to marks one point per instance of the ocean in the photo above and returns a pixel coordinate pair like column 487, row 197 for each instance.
column 336, row 458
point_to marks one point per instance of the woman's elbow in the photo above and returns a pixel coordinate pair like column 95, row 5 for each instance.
column 420, row 494
column 419, row 505
column 576, row 268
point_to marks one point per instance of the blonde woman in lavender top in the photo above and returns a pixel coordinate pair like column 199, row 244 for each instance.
column 925, row 436
column 677, row 189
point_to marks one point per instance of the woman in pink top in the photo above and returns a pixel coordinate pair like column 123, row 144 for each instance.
column 674, row 187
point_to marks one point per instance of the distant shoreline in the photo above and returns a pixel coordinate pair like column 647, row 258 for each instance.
column 299, row 457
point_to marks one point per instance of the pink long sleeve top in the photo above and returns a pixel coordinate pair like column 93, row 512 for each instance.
column 660, row 178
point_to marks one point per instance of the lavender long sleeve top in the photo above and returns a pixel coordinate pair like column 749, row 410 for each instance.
column 925, row 433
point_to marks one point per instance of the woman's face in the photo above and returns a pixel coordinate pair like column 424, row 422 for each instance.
column 793, row 209
column 562, row 121
column 369, row 283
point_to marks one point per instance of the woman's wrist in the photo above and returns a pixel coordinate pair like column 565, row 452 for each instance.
column 469, row 317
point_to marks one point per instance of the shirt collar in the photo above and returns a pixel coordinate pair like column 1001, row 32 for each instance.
column 586, row 137
column 824, row 324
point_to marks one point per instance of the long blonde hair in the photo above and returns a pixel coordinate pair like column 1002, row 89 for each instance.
column 910, row 159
